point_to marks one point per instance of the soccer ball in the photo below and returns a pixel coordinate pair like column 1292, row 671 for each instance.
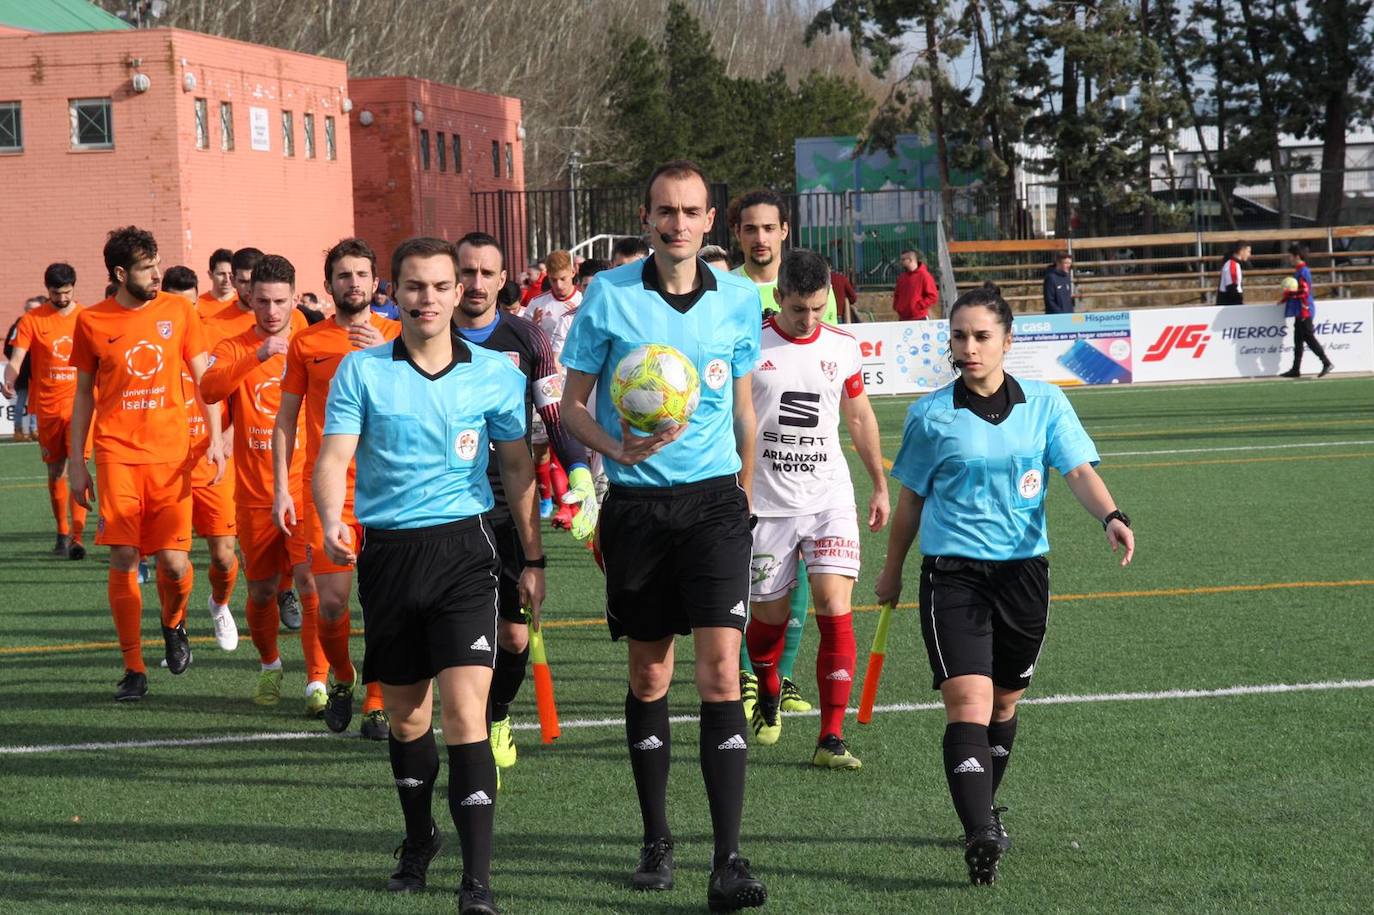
column 655, row 386
column 1290, row 284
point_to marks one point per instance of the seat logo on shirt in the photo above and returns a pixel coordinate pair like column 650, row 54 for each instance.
column 716, row 374
column 801, row 409
column 1030, row 484
column 164, row 329
column 466, row 444
column 143, row 359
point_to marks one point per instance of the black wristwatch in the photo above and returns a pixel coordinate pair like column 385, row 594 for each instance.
column 1117, row 515
column 541, row 563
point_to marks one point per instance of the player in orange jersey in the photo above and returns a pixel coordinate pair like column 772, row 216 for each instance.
column 235, row 318
column 350, row 269
column 45, row 335
column 212, row 503
column 221, row 291
column 129, row 352
column 246, row 372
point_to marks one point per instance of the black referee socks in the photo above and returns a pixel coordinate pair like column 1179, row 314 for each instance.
column 506, row 680
column 415, row 766
column 1001, row 735
column 968, row 767
column 723, row 755
column 647, row 733
column 472, row 803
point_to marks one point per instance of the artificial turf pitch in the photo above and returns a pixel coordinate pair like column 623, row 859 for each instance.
column 1255, row 566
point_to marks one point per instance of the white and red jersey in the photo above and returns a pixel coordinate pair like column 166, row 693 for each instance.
column 799, row 465
column 1230, row 275
column 546, row 311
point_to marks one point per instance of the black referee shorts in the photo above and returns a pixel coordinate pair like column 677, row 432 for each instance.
column 429, row 600
column 987, row 618
column 511, row 555
column 677, row 558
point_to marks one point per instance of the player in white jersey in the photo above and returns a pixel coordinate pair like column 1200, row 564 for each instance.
column 547, row 310
column 809, row 376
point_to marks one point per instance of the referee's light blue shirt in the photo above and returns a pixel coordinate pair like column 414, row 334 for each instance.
column 719, row 333
column 423, row 440
column 984, row 484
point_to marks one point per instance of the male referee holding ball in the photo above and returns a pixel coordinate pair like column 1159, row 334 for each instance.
column 420, row 413
column 675, row 527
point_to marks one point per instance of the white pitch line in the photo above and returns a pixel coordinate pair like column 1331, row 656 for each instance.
column 1234, row 448
column 586, row 723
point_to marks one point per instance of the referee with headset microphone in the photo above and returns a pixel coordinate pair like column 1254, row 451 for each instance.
column 972, row 465
column 419, row 413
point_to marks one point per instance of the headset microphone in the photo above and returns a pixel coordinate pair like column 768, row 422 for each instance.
column 414, row 313
column 666, row 239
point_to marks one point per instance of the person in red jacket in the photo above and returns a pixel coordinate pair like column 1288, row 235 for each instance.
column 916, row 291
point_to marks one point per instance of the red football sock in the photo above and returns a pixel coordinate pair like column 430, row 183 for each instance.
column 175, row 594
column 765, row 642
column 58, row 496
column 835, row 670
column 334, row 640
column 262, row 624
column 316, row 663
column 559, row 481
column 126, row 606
column 222, row 582
column 541, row 474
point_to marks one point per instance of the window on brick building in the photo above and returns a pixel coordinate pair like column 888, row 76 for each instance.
column 424, row 149
column 457, row 155
column 288, row 134
column 226, row 126
column 441, row 147
column 202, row 124
column 308, row 131
column 11, row 127
column 496, row 159
column 92, row 125
column 510, row 161
column 331, row 150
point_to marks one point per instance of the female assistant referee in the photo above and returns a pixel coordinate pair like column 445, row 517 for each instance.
column 972, row 466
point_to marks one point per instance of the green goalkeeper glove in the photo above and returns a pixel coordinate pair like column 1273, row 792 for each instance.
column 582, row 492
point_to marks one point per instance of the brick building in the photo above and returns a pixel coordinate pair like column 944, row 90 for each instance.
column 205, row 141
column 420, row 149
column 210, row 142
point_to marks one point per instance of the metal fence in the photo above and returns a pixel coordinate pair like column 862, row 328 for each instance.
column 863, row 233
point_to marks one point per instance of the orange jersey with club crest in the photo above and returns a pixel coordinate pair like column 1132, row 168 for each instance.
column 136, row 356
column 48, row 334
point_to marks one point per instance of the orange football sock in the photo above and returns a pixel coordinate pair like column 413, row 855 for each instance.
column 175, row 594
column 316, row 662
column 57, row 498
column 285, row 583
column 222, row 582
column 78, row 518
column 262, row 625
column 373, row 702
column 126, row 606
column 334, row 641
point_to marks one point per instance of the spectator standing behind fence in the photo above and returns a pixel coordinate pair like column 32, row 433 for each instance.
column 25, row 422
column 1230, row 290
column 1299, row 305
column 1059, row 285
column 844, row 295
column 916, row 291
column 382, row 303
